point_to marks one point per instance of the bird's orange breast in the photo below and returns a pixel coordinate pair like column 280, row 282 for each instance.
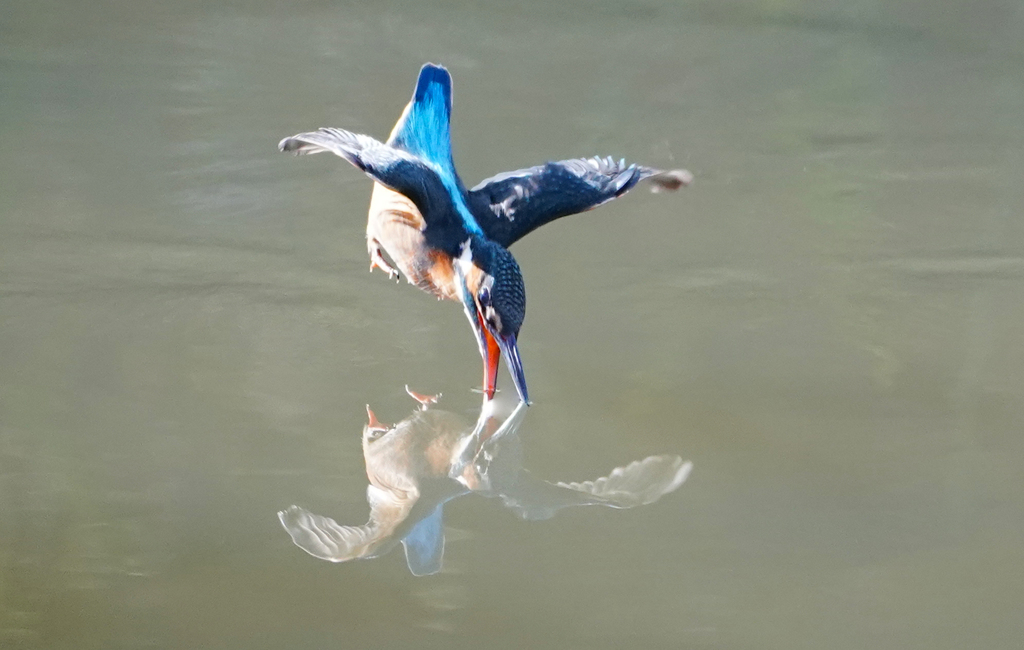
column 396, row 225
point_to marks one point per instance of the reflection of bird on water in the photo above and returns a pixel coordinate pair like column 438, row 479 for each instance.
column 453, row 242
column 432, row 457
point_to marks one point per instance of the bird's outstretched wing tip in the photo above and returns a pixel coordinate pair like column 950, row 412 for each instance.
column 289, row 145
column 670, row 181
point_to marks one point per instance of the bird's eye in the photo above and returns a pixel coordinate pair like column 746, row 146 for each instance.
column 485, row 296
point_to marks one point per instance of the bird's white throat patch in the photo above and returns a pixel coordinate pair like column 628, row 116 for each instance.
column 466, row 256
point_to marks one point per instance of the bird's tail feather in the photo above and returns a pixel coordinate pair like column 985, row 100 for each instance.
column 424, row 129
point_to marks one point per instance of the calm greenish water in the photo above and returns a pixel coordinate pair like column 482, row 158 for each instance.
column 828, row 324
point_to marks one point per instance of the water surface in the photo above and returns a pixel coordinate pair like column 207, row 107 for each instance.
column 827, row 324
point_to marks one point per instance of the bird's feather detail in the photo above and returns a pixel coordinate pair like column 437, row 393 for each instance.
column 521, row 201
column 424, row 130
column 394, row 168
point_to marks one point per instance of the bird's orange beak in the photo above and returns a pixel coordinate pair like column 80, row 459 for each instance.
column 493, row 346
column 496, row 347
column 492, row 354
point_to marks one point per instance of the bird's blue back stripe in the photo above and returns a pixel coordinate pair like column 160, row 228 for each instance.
column 425, row 132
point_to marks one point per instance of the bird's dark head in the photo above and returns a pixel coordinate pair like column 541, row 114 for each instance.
column 494, row 291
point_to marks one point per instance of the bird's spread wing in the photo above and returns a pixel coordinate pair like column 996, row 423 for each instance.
column 512, row 204
column 394, row 168
column 324, row 538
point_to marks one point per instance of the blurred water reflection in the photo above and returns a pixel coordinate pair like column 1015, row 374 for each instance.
column 432, row 457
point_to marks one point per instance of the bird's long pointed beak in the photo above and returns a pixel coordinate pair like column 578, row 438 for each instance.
column 492, row 347
column 510, row 351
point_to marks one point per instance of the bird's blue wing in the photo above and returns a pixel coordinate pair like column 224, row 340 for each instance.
column 394, row 168
column 511, row 205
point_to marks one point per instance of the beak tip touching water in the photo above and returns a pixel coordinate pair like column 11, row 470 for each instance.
column 510, row 351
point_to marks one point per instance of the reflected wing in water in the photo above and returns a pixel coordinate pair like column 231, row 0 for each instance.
column 640, row 483
column 324, row 538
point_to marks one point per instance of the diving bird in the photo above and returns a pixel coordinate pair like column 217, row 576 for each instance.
column 453, row 242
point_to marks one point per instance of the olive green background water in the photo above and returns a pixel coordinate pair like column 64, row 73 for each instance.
column 828, row 324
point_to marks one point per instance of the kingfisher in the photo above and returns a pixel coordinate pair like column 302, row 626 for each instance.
column 453, row 242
